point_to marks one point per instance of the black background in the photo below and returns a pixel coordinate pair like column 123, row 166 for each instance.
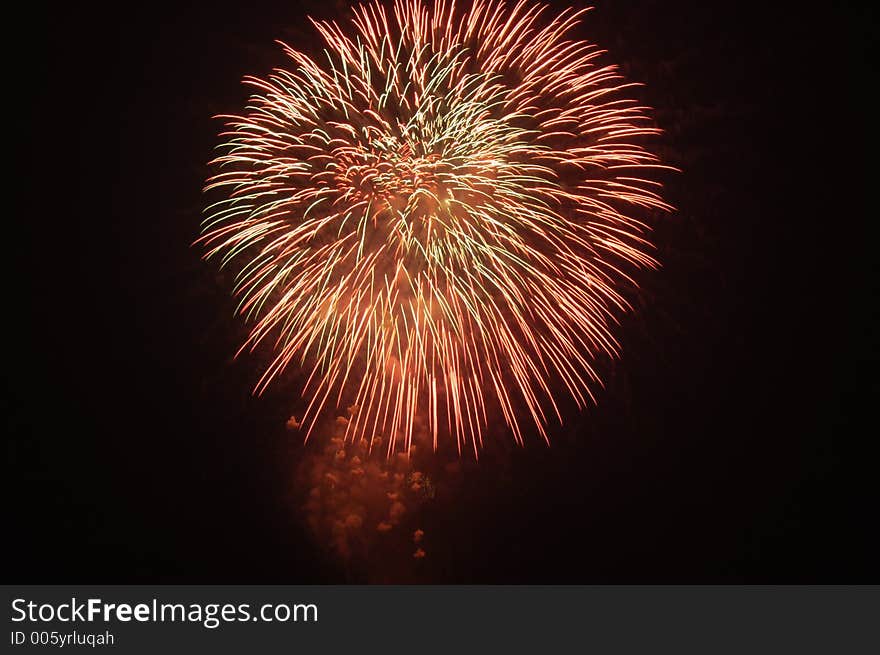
column 733, row 443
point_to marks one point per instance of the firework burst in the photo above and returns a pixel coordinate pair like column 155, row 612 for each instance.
column 436, row 217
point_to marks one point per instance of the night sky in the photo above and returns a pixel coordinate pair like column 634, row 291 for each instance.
column 734, row 441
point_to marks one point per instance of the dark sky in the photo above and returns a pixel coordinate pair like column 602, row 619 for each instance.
column 734, row 440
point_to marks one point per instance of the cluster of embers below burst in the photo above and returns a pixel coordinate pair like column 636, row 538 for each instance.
column 363, row 504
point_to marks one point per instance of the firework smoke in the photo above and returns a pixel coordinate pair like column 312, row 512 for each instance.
column 367, row 509
column 436, row 217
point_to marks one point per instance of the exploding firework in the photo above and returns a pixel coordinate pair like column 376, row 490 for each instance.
column 437, row 218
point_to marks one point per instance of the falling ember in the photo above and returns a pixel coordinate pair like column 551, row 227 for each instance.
column 368, row 510
column 436, row 217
